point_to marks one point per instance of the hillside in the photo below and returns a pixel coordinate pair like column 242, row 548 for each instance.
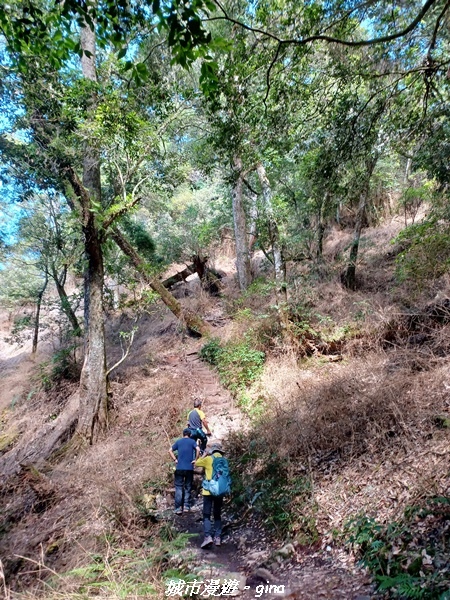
column 347, row 416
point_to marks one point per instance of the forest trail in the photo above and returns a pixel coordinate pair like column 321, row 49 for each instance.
column 248, row 559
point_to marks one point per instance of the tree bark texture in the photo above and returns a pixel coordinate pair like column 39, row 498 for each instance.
column 93, row 392
column 209, row 278
column 274, row 234
column 348, row 277
column 193, row 322
column 253, row 220
column 93, row 417
column 240, row 229
column 178, row 277
column 38, row 314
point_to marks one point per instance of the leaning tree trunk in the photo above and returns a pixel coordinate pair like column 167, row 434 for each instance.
column 240, row 229
column 93, row 415
column 348, row 277
column 193, row 322
column 65, row 304
column 38, row 314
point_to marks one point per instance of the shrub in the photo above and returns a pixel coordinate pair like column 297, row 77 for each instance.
column 428, row 252
column 238, row 364
column 276, row 492
column 409, row 558
column 61, row 366
column 210, row 351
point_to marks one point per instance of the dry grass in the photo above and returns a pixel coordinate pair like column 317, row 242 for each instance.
column 365, row 433
column 95, row 496
column 69, row 513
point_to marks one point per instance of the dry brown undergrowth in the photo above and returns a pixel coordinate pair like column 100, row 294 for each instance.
column 62, row 515
column 365, row 432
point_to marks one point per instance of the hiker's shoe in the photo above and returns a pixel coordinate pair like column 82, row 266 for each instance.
column 179, row 511
column 217, row 541
column 207, row 541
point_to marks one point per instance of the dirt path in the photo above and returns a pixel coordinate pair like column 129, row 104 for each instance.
column 256, row 565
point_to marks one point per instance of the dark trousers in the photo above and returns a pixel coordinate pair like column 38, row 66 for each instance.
column 199, row 434
column 212, row 504
column 183, row 485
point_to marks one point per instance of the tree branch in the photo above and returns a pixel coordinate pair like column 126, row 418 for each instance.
column 327, row 38
column 124, row 353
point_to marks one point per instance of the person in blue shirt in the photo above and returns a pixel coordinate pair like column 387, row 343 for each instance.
column 187, row 453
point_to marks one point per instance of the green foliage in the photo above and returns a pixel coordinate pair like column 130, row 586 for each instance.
column 253, row 405
column 210, row 351
column 140, row 238
column 260, row 286
column 21, row 323
column 409, row 558
column 427, row 255
column 20, row 330
column 125, row 573
column 277, row 494
column 61, row 366
column 415, row 196
column 238, row 364
column 120, row 573
column 192, row 217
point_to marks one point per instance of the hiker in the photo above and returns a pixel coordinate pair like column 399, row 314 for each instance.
column 196, row 422
column 211, row 503
column 188, row 452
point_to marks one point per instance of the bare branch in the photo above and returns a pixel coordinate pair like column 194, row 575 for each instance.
column 125, row 351
column 327, row 38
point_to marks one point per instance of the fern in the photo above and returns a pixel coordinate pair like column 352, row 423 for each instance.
column 404, row 585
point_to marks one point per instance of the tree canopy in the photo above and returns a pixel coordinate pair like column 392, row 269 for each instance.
column 157, row 124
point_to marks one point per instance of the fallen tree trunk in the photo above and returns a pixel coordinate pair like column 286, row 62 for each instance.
column 180, row 276
column 193, row 322
column 209, row 277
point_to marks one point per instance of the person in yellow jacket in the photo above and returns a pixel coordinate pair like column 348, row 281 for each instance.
column 196, row 423
column 211, row 504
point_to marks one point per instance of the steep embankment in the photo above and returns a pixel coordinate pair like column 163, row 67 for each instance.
column 55, row 520
column 354, row 397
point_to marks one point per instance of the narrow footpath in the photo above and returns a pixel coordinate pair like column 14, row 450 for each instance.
column 248, row 563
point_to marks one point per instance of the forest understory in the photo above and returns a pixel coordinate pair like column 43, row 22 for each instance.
column 334, row 409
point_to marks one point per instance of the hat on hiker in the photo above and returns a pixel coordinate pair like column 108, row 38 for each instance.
column 187, row 432
column 216, row 448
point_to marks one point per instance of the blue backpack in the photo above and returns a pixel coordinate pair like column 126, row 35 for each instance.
column 220, row 482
